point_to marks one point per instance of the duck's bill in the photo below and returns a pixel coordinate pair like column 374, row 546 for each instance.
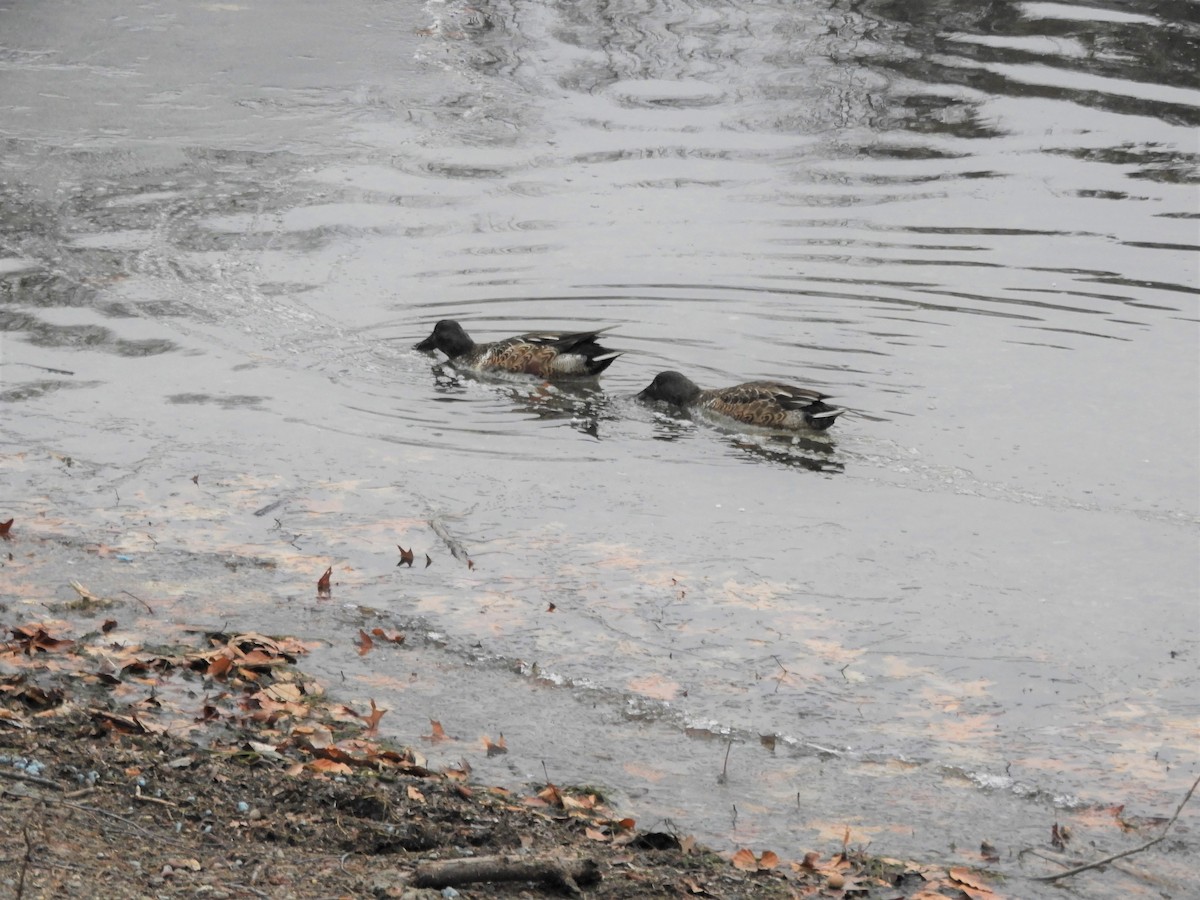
column 426, row 344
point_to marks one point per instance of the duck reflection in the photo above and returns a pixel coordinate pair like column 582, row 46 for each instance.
column 581, row 404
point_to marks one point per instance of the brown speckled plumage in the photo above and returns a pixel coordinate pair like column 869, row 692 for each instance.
column 763, row 404
column 546, row 354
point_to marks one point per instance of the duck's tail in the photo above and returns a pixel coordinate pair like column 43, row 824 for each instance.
column 821, row 415
column 600, row 362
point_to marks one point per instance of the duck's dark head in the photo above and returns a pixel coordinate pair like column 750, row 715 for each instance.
column 671, row 387
column 449, row 337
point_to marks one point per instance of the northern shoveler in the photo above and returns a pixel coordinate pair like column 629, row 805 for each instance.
column 547, row 354
column 766, row 404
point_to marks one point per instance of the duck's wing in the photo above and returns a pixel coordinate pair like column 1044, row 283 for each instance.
column 771, row 404
column 563, row 341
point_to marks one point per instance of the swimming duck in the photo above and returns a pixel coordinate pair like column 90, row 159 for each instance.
column 547, row 354
column 766, row 404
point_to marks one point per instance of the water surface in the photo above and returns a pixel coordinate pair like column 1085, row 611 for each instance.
column 974, row 601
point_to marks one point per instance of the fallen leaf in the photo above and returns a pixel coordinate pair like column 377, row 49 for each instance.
column 406, row 556
column 595, row 834
column 415, row 795
column 438, row 733
column 323, row 581
column 109, row 625
column 988, row 852
column 768, row 860
column 329, row 767
column 373, row 718
column 470, row 563
column 745, row 860
column 497, row 748
column 365, row 644
column 4, row 528
column 396, row 637
column 551, row 608
column 428, row 561
column 966, row 877
column 195, row 479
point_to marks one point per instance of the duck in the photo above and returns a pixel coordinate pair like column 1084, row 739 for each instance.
column 546, row 354
column 765, row 404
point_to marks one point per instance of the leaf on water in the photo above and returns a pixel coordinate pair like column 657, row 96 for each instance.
column 988, row 852
column 406, row 556
column 372, row 719
column 109, row 625
column 5, row 527
column 1057, row 839
column 365, row 644
column 438, row 733
column 35, row 639
column 551, row 608
column 195, row 479
column 968, row 879
column 497, row 748
column 470, row 563
column 769, row 860
column 389, row 634
column 428, row 561
column 323, row 581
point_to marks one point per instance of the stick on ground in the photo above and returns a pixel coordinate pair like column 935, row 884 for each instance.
column 565, row 874
column 1146, row 846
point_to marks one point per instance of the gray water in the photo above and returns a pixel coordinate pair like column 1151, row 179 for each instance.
column 970, row 609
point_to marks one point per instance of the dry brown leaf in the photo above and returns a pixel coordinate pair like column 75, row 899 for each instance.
column 497, row 748
column 415, row 795
column 437, row 733
column 329, row 767
column 323, row 581
column 745, row 860
column 389, row 634
column 966, row 877
column 406, row 556
column 551, row 795
column 372, row 719
column 5, row 527
column 595, row 834
column 365, row 644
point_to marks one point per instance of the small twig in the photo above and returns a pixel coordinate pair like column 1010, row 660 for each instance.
column 32, row 779
column 141, row 601
column 1146, row 846
column 724, row 776
column 123, row 820
column 138, row 795
column 245, row 887
column 46, row 369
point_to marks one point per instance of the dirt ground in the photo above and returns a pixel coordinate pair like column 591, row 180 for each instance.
column 276, row 791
